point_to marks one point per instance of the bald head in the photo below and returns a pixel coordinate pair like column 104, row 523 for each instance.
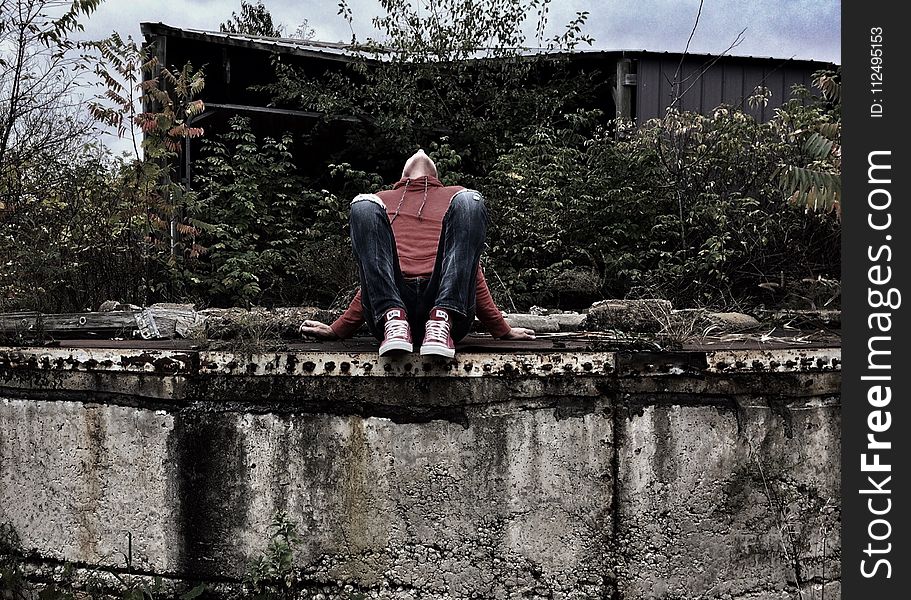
column 419, row 165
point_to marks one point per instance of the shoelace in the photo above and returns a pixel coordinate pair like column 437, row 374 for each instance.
column 397, row 328
column 437, row 331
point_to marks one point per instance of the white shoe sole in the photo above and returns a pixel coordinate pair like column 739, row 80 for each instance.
column 396, row 346
column 437, row 350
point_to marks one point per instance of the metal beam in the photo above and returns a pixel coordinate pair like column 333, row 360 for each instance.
column 540, row 364
column 281, row 111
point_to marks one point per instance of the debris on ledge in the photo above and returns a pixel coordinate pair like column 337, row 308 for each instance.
column 654, row 319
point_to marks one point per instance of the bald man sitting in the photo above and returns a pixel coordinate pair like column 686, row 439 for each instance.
column 417, row 248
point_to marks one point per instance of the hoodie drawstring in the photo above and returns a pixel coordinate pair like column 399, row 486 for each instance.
column 401, row 201
column 424, row 201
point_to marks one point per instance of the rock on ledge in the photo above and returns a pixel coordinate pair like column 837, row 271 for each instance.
column 642, row 316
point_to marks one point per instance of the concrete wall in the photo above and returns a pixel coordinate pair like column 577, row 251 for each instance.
column 687, row 484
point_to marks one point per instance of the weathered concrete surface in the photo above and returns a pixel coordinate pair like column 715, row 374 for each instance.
column 728, row 504
column 732, row 321
column 669, row 476
column 515, row 501
column 539, row 323
column 238, row 323
column 76, row 477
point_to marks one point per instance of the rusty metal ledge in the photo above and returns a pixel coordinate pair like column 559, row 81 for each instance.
column 783, row 360
column 116, row 360
column 334, row 363
column 368, row 364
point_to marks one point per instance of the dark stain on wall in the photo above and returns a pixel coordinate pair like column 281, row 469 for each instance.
column 208, row 478
column 94, row 466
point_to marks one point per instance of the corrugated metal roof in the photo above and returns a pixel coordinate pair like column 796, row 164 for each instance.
column 345, row 51
column 330, row 50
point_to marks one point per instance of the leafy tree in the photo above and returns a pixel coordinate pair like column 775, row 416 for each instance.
column 40, row 69
column 418, row 79
column 254, row 19
column 119, row 66
column 270, row 238
column 170, row 96
column 817, row 185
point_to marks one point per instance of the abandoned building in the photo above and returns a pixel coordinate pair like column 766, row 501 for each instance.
column 637, row 84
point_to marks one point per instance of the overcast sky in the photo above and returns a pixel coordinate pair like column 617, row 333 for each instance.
column 779, row 28
column 809, row 29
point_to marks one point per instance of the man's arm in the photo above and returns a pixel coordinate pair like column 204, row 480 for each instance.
column 350, row 320
column 487, row 310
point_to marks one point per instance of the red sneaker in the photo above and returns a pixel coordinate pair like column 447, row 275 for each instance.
column 397, row 333
column 437, row 337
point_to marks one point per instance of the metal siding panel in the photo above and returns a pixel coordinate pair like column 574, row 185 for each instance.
column 808, row 79
column 648, row 97
column 692, row 99
column 668, row 67
column 733, row 84
column 712, row 88
column 641, row 96
column 659, row 89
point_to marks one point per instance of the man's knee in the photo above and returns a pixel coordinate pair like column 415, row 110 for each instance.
column 468, row 202
column 468, row 210
column 468, row 199
column 367, row 201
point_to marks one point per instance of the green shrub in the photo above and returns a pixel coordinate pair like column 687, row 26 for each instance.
column 687, row 207
column 76, row 240
column 268, row 236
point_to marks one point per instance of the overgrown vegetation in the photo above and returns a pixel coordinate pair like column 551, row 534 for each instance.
column 713, row 209
column 464, row 70
column 268, row 238
column 688, row 207
column 79, row 225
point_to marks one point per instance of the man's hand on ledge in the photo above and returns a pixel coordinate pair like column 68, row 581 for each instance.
column 519, row 333
column 317, row 330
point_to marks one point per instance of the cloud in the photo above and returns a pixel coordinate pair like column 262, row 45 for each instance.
column 784, row 28
column 804, row 29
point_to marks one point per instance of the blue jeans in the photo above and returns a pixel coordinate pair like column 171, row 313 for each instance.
column 453, row 282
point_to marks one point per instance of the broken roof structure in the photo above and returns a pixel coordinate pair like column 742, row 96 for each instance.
column 637, row 84
column 714, row 79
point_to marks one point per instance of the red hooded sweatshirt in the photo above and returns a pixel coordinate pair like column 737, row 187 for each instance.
column 416, row 208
